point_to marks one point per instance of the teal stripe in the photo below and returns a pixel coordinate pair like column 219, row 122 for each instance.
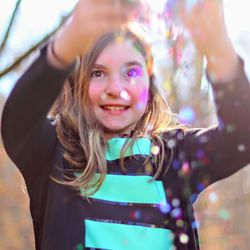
column 131, row 189
column 114, row 147
column 105, row 235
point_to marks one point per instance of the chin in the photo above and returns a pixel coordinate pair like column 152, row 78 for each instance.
column 113, row 129
column 117, row 130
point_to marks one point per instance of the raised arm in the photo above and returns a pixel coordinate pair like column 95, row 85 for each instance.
column 218, row 152
column 206, row 25
column 28, row 136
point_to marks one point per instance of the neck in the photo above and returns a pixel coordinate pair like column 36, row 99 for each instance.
column 110, row 135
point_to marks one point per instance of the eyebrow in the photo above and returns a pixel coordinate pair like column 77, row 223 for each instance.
column 127, row 64
column 133, row 63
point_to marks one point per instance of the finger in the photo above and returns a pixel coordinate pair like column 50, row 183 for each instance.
column 118, row 3
column 131, row 3
column 131, row 8
column 111, row 15
column 125, row 8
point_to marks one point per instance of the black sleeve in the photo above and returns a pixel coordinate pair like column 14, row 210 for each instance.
column 218, row 152
column 28, row 136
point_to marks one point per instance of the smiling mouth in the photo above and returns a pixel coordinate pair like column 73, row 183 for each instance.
column 114, row 108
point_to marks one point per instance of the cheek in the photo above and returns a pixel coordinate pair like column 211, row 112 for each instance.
column 94, row 93
column 142, row 99
column 144, row 95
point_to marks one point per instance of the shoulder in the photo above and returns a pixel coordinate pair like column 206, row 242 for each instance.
column 177, row 137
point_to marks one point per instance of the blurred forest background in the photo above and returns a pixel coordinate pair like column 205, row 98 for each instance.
column 223, row 209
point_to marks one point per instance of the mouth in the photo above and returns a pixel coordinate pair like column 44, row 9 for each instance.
column 115, row 108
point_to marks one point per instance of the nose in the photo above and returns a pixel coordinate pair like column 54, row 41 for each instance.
column 114, row 87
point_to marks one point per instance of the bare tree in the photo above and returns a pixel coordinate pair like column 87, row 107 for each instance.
column 33, row 47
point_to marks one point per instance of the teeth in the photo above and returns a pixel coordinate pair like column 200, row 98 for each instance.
column 114, row 108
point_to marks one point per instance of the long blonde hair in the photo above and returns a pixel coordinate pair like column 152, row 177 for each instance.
column 82, row 136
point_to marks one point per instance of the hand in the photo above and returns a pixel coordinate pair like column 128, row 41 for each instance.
column 89, row 21
column 205, row 23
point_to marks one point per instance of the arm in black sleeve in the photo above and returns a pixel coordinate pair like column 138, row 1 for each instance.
column 218, row 152
column 28, row 136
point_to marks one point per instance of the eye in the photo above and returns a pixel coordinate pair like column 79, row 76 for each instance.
column 98, row 74
column 134, row 72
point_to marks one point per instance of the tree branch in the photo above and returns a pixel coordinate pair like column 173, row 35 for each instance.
column 6, row 36
column 19, row 60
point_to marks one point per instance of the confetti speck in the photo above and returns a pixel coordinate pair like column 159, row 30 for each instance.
column 195, row 224
column 171, row 143
column 125, row 95
column 149, row 168
column 176, row 213
column 213, row 197
column 155, row 150
column 167, row 85
column 224, row 214
column 184, row 238
column 119, row 39
column 241, row 148
column 185, row 168
column 176, row 202
column 165, row 208
column 180, row 223
column 79, row 246
column 230, row 128
column 187, row 115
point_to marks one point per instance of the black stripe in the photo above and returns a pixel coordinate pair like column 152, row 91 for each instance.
column 134, row 165
column 136, row 214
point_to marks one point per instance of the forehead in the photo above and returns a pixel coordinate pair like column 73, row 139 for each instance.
column 120, row 52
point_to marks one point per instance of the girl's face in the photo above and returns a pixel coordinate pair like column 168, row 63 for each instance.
column 119, row 88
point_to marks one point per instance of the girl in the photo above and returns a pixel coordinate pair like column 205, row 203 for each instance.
column 112, row 169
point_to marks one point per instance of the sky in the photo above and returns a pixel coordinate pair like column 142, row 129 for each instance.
column 35, row 19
